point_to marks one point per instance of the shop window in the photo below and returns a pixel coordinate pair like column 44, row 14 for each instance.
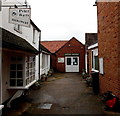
column 30, row 69
column 16, row 72
column 22, row 71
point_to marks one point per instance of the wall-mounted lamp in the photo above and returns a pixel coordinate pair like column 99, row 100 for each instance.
column 95, row 4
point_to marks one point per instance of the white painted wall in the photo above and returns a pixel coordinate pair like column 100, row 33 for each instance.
column 27, row 33
column 86, row 62
column 44, row 69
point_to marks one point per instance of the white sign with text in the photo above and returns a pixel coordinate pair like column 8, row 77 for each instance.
column 20, row 16
column 60, row 60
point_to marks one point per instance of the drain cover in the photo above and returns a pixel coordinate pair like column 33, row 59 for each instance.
column 45, row 106
column 66, row 108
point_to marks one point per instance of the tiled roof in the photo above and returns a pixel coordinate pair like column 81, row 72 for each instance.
column 53, row 46
column 44, row 49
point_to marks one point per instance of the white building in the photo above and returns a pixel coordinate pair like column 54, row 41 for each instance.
column 44, row 60
column 20, row 55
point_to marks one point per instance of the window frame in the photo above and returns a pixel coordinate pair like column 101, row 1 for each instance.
column 93, row 55
column 24, row 86
column 30, row 69
column 16, row 62
column 34, row 35
column 18, row 28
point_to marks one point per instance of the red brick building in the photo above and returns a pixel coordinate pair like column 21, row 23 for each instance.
column 67, row 56
column 109, row 46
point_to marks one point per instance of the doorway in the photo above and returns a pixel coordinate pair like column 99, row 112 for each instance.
column 72, row 64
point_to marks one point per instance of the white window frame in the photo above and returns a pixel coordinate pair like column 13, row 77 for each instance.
column 94, row 53
column 18, row 28
column 34, row 32
column 32, row 81
column 29, row 69
column 16, row 63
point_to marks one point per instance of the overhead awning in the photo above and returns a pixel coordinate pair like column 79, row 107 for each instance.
column 12, row 41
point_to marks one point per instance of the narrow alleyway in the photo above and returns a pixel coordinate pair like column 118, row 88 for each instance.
column 63, row 93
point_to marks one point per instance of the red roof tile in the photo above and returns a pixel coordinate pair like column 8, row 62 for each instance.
column 53, row 46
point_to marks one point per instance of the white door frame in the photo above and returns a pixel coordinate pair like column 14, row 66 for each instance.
column 73, row 64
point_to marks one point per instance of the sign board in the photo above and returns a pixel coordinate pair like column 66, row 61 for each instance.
column 74, row 54
column 60, row 60
column 101, row 68
column 20, row 16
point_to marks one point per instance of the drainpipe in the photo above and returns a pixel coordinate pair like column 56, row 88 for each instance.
column 39, row 54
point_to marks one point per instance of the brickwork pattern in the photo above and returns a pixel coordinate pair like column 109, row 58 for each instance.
column 109, row 45
column 73, row 46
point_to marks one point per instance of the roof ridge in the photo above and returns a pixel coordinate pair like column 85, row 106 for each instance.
column 55, row 41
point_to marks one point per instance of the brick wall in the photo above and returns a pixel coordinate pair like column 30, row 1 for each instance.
column 90, row 39
column 90, row 60
column 109, row 45
column 73, row 46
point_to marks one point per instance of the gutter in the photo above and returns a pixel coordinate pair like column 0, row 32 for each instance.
column 39, row 55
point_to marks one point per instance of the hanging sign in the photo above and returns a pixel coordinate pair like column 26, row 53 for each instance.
column 74, row 54
column 20, row 16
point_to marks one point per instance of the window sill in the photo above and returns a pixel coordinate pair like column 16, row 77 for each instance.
column 95, row 70
column 1, row 107
column 20, row 88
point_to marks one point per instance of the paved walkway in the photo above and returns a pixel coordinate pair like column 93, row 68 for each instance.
column 66, row 93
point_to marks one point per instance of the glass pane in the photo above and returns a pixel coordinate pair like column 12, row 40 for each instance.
column 92, row 60
column 31, row 65
column 30, row 72
column 13, row 67
column 27, row 73
column 75, row 61
column 27, row 59
column 13, row 58
column 33, row 58
column 27, row 65
column 33, row 77
column 27, row 81
column 19, row 67
column 68, row 61
column 19, row 74
column 12, row 74
column 12, row 82
column 30, row 59
column 96, row 63
column 19, row 82
column 19, row 58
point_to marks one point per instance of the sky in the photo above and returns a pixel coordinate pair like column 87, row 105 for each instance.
column 64, row 19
